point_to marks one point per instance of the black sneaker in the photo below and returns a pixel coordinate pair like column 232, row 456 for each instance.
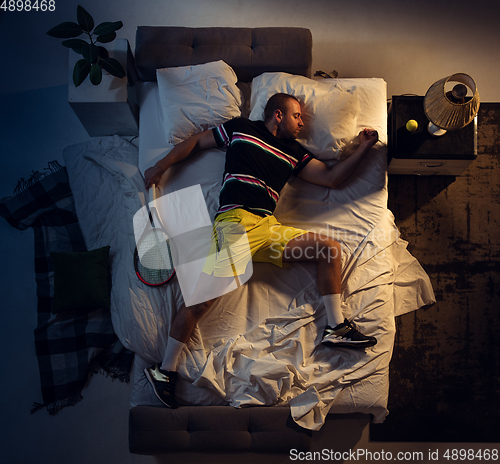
column 346, row 335
column 163, row 384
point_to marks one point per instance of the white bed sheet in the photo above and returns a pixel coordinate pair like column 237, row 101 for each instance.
column 261, row 343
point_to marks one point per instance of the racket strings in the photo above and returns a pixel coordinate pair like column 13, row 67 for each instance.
column 154, row 264
column 153, row 276
column 154, row 251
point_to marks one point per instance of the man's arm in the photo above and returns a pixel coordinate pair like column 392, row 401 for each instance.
column 317, row 172
column 182, row 151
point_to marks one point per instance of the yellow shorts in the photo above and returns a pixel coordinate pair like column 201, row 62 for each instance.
column 239, row 236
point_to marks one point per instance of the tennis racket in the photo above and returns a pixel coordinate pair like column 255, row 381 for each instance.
column 152, row 256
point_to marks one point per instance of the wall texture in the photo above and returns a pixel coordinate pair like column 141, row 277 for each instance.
column 411, row 45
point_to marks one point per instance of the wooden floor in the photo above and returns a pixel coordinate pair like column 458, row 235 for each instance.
column 445, row 382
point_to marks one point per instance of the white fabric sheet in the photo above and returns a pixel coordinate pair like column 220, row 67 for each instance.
column 261, row 343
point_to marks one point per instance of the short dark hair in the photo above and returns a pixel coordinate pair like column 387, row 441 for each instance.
column 277, row 102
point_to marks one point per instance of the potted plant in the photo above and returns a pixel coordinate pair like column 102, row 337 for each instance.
column 95, row 57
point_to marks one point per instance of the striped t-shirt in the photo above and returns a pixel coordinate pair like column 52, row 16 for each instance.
column 258, row 165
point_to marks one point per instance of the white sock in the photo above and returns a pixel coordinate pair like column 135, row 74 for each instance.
column 174, row 348
column 333, row 306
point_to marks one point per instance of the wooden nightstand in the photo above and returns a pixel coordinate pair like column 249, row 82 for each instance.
column 109, row 108
column 418, row 152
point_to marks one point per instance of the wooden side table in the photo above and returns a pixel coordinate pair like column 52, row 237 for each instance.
column 418, row 152
column 109, row 108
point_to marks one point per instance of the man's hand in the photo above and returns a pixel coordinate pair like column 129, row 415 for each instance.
column 153, row 175
column 368, row 137
column 182, row 151
column 317, row 172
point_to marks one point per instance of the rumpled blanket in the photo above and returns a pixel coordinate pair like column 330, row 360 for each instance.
column 261, row 343
column 68, row 348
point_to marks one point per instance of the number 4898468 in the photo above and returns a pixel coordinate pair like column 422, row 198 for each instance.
column 28, row 5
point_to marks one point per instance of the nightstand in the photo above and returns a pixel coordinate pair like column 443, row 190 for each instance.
column 418, row 152
column 109, row 108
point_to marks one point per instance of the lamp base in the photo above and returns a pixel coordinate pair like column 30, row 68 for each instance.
column 435, row 130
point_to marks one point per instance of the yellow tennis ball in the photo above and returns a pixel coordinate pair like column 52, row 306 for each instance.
column 411, row 125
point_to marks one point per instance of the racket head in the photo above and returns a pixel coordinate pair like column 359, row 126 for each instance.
column 153, row 258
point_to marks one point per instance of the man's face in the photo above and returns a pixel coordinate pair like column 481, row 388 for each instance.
column 291, row 121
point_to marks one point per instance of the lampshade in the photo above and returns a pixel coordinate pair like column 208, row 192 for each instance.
column 444, row 111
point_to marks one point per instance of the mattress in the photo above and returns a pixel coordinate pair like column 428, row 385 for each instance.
column 260, row 344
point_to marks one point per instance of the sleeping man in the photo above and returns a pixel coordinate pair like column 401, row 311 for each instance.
column 260, row 158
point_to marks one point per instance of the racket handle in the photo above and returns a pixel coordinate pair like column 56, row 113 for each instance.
column 152, row 193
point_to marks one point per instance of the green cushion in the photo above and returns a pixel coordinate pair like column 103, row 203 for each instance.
column 81, row 280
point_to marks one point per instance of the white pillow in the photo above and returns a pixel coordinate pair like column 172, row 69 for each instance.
column 196, row 98
column 329, row 111
column 372, row 98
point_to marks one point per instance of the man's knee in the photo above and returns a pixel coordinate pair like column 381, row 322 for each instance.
column 313, row 248
column 329, row 248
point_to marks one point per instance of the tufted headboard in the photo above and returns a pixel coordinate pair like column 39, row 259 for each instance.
column 249, row 51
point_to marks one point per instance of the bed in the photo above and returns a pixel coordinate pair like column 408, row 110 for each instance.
column 259, row 347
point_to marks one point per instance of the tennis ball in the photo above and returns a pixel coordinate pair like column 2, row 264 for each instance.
column 411, row 125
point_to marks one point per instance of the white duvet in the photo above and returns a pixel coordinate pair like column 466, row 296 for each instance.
column 260, row 345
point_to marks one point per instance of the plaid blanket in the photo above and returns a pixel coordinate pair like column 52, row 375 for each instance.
column 68, row 349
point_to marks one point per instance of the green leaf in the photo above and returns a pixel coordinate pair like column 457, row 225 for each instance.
column 66, row 30
column 103, row 53
column 107, row 38
column 84, row 18
column 77, row 45
column 81, row 71
column 95, row 74
column 91, row 53
column 113, row 67
column 108, row 27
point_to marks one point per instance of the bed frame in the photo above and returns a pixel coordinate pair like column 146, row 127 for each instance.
column 218, row 429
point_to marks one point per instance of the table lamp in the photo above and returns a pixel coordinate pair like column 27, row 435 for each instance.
column 451, row 110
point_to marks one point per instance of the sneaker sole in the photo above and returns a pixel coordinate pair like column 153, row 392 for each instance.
column 332, row 344
column 151, row 381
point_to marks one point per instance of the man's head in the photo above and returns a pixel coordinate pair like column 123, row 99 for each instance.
column 282, row 116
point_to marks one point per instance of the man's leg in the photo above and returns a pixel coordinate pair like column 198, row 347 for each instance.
column 225, row 235
column 164, row 379
column 322, row 250
column 326, row 252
